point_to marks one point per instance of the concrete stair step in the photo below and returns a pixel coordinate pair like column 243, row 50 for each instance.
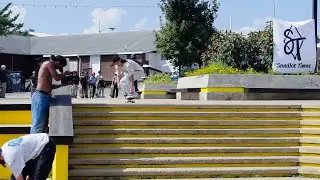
column 197, row 114
column 169, row 140
column 310, row 140
column 198, row 172
column 184, row 150
column 259, row 161
column 189, row 132
column 185, row 122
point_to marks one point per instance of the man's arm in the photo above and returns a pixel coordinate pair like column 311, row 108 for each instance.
column 54, row 73
column 20, row 177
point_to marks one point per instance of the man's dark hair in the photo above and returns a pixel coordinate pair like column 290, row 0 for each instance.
column 61, row 60
column 117, row 58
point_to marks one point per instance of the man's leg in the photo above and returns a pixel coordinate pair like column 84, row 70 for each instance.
column 40, row 105
column 4, row 89
column 136, row 85
column 44, row 162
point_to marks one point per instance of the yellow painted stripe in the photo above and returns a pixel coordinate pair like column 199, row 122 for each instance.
column 163, row 109
column 235, row 117
column 185, row 127
column 60, row 164
column 183, row 165
column 182, row 135
column 223, row 90
column 154, row 92
column 311, row 175
column 15, row 117
column 188, row 145
column 309, row 164
column 302, row 154
column 309, row 144
column 84, row 156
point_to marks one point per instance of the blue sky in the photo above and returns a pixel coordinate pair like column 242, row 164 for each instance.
column 246, row 14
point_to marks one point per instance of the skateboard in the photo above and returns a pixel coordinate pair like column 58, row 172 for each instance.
column 130, row 100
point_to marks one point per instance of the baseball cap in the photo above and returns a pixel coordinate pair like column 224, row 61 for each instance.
column 2, row 161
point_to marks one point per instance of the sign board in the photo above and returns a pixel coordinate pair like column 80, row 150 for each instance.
column 294, row 47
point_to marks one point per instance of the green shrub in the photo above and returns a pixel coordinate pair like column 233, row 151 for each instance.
column 158, row 78
column 219, row 68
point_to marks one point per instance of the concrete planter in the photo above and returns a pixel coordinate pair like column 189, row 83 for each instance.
column 157, row 91
column 233, row 87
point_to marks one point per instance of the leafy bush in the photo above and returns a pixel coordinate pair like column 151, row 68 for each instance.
column 219, row 68
column 254, row 50
column 158, row 78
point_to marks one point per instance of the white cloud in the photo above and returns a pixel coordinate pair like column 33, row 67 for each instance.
column 18, row 10
column 110, row 18
column 141, row 24
column 258, row 24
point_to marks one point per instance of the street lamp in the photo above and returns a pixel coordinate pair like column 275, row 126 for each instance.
column 315, row 16
column 101, row 30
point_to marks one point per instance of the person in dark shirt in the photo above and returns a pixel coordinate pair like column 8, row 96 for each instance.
column 75, row 84
column 84, row 81
column 101, row 86
column 3, row 81
column 34, row 82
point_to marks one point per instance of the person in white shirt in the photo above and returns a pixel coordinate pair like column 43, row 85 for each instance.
column 132, row 72
column 29, row 156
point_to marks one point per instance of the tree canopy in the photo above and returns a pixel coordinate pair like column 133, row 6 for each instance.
column 186, row 31
column 8, row 23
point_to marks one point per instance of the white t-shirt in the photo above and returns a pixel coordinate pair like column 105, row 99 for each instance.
column 19, row 151
column 133, row 68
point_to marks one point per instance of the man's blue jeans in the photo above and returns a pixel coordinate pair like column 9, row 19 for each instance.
column 40, row 104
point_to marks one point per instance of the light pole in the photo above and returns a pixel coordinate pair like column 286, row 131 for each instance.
column 315, row 16
column 101, row 30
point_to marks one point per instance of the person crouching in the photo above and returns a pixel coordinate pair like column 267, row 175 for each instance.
column 29, row 156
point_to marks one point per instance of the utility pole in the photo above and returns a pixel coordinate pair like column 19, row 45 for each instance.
column 315, row 17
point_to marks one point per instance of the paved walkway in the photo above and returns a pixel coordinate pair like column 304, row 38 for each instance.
column 24, row 98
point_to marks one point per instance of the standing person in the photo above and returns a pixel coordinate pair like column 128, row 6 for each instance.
column 3, row 81
column 29, row 156
column 138, row 67
column 84, row 85
column 100, row 86
column 40, row 101
column 34, row 82
column 114, row 87
column 132, row 72
column 75, row 84
column 93, row 85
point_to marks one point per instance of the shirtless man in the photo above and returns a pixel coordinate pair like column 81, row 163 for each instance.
column 40, row 102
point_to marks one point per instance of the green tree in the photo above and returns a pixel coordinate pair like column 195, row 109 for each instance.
column 187, row 30
column 8, row 23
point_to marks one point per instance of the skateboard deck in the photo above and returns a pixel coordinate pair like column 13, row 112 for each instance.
column 130, row 100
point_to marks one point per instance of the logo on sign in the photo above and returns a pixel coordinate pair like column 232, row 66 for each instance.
column 293, row 42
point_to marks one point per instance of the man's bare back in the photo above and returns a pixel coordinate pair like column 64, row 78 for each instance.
column 48, row 71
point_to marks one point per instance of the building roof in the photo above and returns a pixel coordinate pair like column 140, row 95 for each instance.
column 85, row 44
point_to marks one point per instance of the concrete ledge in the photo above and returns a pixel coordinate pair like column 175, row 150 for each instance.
column 231, row 86
column 157, row 91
